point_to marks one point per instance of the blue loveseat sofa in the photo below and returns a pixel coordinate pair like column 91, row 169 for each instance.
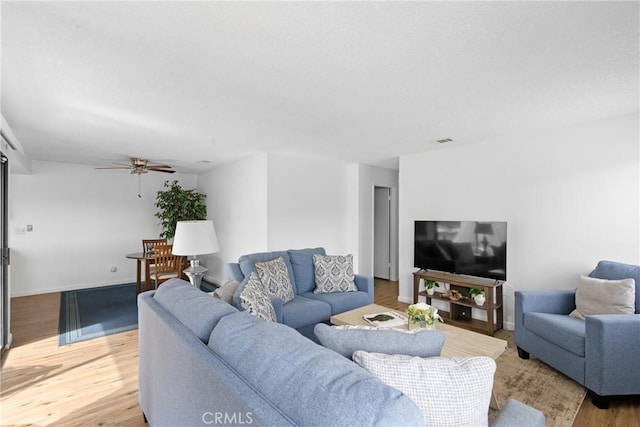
column 600, row 352
column 202, row 363
column 307, row 309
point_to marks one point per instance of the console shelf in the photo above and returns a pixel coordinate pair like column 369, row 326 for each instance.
column 460, row 312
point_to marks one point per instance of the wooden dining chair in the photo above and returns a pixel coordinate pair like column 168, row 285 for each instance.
column 167, row 265
column 148, row 245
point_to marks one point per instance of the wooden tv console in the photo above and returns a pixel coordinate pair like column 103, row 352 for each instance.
column 460, row 312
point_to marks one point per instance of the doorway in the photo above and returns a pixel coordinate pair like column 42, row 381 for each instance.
column 382, row 253
column 4, row 254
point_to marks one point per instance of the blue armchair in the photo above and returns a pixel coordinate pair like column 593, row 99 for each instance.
column 599, row 352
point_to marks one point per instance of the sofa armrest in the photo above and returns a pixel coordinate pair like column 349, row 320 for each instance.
column 516, row 413
column 234, row 272
column 277, row 306
column 554, row 302
column 611, row 348
column 364, row 283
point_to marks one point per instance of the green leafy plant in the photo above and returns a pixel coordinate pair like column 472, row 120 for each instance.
column 423, row 313
column 430, row 284
column 177, row 204
column 475, row 291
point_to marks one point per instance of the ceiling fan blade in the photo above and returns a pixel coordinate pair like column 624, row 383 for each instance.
column 161, row 170
column 116, row 167
column 159, row 166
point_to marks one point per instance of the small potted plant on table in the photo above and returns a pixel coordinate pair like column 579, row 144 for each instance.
column 477, row 295
column 430, row 286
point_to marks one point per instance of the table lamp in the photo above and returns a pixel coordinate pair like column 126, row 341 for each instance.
column 195, row 238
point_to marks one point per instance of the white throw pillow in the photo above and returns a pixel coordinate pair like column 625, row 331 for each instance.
column 333, row 273
column 449, row 392
column 600, row 296
column 274, row 275
column 226, row 291
column 254, row 299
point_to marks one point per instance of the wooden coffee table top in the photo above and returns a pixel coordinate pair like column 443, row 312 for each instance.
column 458, row 342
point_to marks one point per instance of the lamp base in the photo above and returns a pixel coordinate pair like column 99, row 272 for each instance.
column 195, row 272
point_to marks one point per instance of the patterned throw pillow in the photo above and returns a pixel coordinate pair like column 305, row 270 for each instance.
column 254, row 299
column 334, row 273
column 274, row 276
column 449, row 392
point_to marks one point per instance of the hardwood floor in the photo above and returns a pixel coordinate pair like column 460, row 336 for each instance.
column 94, row 383
column 91, row 383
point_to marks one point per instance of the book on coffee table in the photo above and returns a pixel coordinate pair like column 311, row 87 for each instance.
column 387, row 319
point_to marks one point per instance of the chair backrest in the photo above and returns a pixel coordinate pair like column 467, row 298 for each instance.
column 166, row 264
column 611, row 270
column 148, row 245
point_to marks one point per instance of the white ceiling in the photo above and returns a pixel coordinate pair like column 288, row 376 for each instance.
column 195, row 82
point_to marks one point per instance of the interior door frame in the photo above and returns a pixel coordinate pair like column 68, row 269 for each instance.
column 382, row 224
column 5, row 335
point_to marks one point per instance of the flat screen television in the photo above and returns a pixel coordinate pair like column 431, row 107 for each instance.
column 474, row 248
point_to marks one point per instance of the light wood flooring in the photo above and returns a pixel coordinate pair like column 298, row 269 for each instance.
column 94, row 383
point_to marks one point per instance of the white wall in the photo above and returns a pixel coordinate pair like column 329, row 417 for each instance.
column 368, row 178
column 237, row 205
column 307, row 204
column 84, row 221
column 275, row 202
column 571, row 197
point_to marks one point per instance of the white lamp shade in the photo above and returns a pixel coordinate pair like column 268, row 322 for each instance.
column 195, row 238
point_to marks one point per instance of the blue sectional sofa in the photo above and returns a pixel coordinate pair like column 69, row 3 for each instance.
column 599, row 352
column 307, row 309
column 202, row 362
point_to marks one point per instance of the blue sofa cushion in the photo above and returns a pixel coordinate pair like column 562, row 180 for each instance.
column 248, row 263
column 312, row 385
column 302, row 311
column 422, row 343
column 341, row 301
column 611, row 270
column 303, row 270
column 198, row 311
column 564, row 331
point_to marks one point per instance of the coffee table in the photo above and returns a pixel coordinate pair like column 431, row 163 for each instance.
column 458, row 342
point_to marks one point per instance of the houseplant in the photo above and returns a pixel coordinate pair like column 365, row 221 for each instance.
column 177, row 204
column 430, row 286
column 477, row 295
column 423, row 315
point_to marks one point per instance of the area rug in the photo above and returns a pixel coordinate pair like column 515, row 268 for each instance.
column 91, row 313
column 538, row 385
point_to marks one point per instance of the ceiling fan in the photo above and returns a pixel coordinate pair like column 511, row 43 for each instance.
column 140, row 166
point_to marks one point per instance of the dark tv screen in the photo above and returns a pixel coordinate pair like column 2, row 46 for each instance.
column 474, row 248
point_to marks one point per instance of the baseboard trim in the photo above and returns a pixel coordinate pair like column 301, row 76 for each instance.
column 211, row 280
column 405, row 300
